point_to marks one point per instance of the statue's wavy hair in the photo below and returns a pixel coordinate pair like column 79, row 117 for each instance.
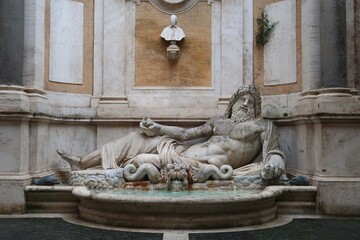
column 254, row 92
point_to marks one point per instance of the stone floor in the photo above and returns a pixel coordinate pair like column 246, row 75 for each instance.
column 55, row 227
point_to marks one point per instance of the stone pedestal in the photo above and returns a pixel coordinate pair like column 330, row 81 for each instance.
column 173, row 51
column 321, row 141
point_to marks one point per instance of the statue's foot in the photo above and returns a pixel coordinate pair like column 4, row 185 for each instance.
column 74, row 161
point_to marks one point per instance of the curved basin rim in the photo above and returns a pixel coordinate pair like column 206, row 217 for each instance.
column 84, row 192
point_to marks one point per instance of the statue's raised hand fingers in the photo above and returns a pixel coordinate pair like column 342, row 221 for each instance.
column 146, row 121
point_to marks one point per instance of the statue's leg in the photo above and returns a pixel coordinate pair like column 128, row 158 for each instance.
column 91, row 160
column 140, row 159
column 119, row 152
column 77, row 163
column 73, row 160
column 123, row 149
column 115, row 153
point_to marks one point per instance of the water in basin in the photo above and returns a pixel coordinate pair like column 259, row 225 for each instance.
column 188, row 193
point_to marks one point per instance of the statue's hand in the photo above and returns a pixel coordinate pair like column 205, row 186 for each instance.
column 274, row 168
column 149, row 127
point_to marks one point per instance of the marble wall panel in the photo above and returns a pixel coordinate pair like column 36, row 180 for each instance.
column 14, row 147
column 263, row 58
column 12, row 197
column 340, row 150
column 321, row 148
column 66, row 41
column 338, row 196
column 74, row 32
column 297, row 143
column 280, row 51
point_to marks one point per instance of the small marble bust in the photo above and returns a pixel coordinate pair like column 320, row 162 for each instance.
column 172, row 32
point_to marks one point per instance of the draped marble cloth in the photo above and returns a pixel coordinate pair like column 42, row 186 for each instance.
column 270, row 147
column 118, row 153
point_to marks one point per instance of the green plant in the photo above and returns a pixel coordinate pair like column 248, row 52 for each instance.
column 266, row 28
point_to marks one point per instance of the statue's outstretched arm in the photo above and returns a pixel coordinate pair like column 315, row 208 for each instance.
column 152, row 128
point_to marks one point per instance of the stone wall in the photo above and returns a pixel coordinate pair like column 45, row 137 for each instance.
column 193, row 68
column 125, row 76
column 278, row 64
column 69, row 45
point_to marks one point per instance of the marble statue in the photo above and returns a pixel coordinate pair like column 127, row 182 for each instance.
column 172, row 32
column 239, row 143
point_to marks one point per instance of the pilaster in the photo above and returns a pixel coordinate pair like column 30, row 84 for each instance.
column 232, row 28
column 11, row 42
column 34, row 44
column 115, row 56
column 333, row 43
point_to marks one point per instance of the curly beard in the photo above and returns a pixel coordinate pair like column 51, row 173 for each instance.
column 243, row 115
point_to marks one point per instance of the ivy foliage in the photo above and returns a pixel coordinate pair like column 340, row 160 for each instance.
column 265, row 28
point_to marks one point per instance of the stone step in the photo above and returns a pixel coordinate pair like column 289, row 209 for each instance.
column 50, row 199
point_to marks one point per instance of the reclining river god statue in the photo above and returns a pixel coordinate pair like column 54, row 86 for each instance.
column 238, row 143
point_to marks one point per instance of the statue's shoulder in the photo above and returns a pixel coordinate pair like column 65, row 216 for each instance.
column 264, row 123
column 215, row 119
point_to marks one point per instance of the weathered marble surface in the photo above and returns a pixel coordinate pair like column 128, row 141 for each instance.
column 173, row 32
column 173, row 6
column 106, row 115
column 236, row 139
column 99, row 179
column 177, row 212
column 280, row 57
column 66, row 41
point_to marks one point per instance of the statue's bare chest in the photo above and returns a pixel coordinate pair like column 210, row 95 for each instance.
column 238, row 131
column 223, row 127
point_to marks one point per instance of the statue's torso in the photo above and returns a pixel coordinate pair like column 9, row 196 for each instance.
column 236, row 144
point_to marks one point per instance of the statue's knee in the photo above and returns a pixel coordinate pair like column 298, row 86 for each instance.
column 134, row 135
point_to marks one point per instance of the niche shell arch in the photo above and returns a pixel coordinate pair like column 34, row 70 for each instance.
column 173, row 6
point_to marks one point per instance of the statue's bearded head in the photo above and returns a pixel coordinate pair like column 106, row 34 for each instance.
column 244, row 105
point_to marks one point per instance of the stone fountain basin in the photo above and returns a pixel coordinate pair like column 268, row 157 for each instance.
column 179, row 212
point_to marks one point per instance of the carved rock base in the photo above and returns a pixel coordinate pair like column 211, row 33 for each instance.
column 100, row 179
